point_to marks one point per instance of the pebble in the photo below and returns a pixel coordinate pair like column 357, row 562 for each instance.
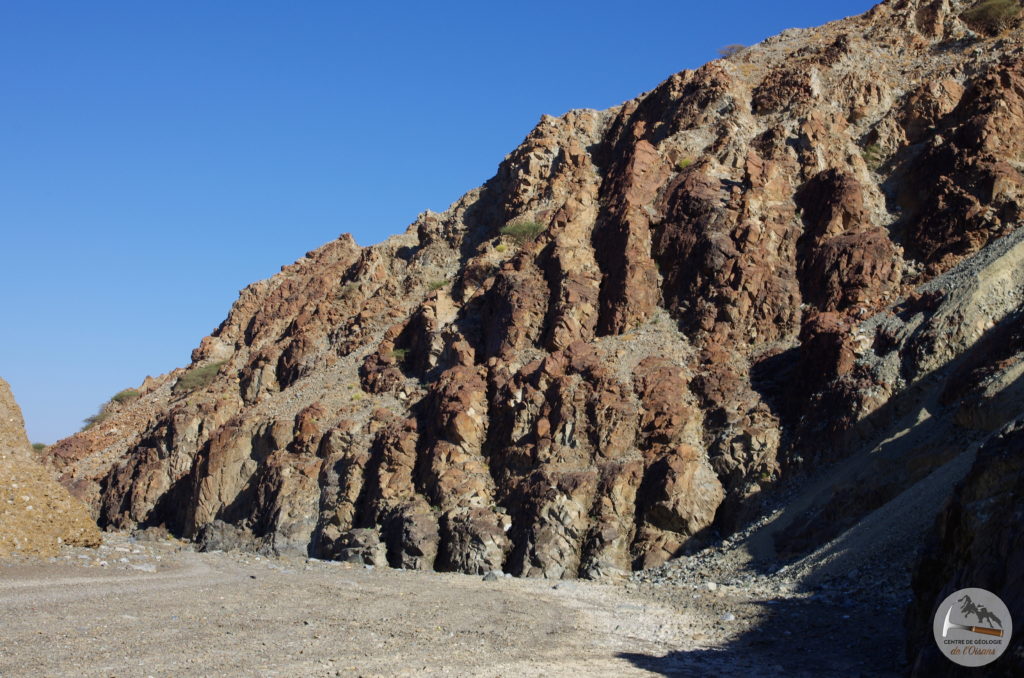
column 491, row 576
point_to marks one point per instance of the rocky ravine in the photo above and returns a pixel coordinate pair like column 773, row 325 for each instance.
column 753, row 272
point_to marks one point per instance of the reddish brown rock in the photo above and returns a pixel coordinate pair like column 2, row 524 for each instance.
column 728, row 270
column 629, row 291
column 783, row 90
column 927, row 105
column 963, row 189
column 683, row 492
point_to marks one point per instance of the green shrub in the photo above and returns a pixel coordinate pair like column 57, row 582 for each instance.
column 991, row 16
column 683, row 163
column 873, row 156
column 197, row 377
column 500, row 247
column 347, row 290
column 125, row 396
column 730, row 50
column 400, row 354
column 97, row 418
column 38, row 447
column 522, row 232
column 435, row 285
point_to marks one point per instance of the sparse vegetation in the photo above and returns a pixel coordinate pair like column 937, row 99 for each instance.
column 435, row 285
column 683, row 163
column 522, row 232
column 121, row 397
column 500, row 247
column 197, row 377
column 347, row 290
column 730, row 50
column 873, row 156
column 991, row 16
column 126, row 396
column 38, row 447
column 101, row 416
column 400, row 354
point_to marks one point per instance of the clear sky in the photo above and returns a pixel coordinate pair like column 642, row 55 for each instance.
column 156, row 157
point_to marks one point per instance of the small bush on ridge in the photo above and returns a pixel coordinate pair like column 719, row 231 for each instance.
column 197, row 377
column 991, row 16
column 125, row 396
column 522, row 232
column 730, row 50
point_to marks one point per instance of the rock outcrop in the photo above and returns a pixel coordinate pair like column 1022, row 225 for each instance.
column 736, row 278
column 37, row 514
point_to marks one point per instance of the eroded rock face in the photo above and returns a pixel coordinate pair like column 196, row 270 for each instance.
column 728, row 270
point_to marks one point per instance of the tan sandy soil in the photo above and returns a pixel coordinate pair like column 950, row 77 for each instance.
column 237, row 615
column 37, row 514
column 157, row 608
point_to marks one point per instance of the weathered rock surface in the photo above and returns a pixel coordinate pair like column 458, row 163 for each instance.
column 742, row 276
column 37, row 514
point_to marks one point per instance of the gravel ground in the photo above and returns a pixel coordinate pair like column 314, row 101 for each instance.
column 160, row 609
column 157, row 608
column 152, row 606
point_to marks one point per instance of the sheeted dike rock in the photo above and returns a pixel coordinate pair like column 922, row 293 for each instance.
column 708, row 299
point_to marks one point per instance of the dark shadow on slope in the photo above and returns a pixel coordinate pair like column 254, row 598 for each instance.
column 864, row 466
column 167, row 511
column 828, row 634
column 852, row 620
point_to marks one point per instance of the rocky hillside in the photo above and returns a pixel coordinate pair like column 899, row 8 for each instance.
column 649, row 325
column 37, row 515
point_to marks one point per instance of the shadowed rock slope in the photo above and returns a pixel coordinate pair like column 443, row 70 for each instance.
column 978, row 543
column 740, row 277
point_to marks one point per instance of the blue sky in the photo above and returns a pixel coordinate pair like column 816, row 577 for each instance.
column 156, row 157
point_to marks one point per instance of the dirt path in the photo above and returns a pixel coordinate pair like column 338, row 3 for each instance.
column 239, row 615
column 156, row 608
column 159, row 609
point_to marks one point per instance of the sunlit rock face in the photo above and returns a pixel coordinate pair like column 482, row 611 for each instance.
column 617, row 347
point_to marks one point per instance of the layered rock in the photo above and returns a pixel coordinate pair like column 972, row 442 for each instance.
column 752, row 258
